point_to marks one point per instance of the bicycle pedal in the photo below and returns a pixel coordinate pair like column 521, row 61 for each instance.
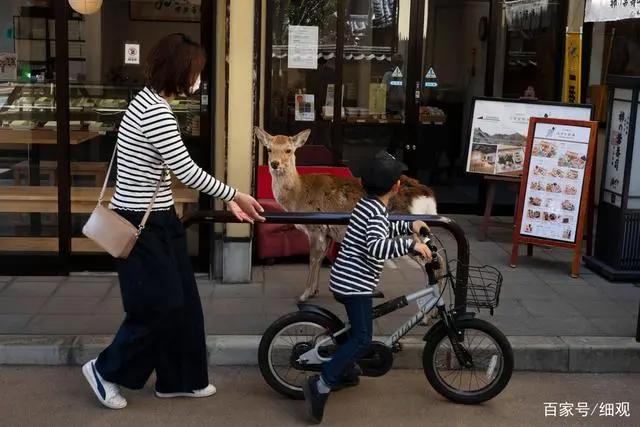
column 396, row 347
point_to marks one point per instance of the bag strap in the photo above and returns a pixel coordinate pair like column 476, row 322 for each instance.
column 153, row 198
column 106, row 178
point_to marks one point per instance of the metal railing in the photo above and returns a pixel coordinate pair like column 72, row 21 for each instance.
column 326, row 218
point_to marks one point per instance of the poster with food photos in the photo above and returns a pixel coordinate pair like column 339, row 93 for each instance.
column 554, row 186
column 498, row 132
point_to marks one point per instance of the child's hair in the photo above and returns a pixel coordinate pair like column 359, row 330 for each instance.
column 375, row 191
column 381, row 173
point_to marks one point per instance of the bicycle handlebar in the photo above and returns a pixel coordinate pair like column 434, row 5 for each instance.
column 342, row 218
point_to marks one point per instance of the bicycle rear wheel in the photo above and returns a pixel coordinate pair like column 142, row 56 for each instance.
column 491, row 355
column 283, row 342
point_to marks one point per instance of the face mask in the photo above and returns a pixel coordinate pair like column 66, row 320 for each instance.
column 196, row 86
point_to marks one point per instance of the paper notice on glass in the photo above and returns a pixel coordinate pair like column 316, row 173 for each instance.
column 305, row 108
column 377, row 98
column 303, row 47
column 132, row 53
column 8, row 66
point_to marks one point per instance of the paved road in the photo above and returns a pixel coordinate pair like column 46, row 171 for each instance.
column 59, row 396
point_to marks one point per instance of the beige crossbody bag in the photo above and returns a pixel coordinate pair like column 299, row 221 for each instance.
column 110, row 231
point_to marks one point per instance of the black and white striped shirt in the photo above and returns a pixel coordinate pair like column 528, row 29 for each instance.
column 370, row 240
column 148, row 139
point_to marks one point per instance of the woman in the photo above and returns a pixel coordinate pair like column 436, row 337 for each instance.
column 163, row 330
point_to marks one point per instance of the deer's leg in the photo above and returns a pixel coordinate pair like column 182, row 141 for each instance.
column 317, row 248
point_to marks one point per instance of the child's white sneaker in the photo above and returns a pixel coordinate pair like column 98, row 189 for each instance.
column 107, row 393
column 209, row 390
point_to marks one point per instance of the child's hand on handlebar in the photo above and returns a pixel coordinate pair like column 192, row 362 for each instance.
column 417, row 226
column 422, row 250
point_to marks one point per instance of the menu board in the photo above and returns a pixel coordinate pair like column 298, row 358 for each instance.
column 499, row 132
column 554, row 185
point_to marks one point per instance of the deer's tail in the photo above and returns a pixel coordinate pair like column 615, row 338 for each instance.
column 423, row 200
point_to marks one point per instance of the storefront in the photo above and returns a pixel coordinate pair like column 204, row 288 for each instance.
column 405, row 72
column 67, row 77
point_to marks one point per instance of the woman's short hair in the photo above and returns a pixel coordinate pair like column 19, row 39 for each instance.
column 173, row 64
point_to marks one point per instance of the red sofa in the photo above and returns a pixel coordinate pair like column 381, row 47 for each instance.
column 284, row 240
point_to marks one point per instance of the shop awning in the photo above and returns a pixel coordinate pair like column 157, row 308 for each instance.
column 610, row 10
column 355, row 53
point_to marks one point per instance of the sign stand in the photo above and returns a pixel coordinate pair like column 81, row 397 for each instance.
column 555, row 186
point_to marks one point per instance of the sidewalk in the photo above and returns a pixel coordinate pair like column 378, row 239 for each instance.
column 538, row 298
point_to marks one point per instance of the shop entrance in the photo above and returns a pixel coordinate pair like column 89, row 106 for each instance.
column 395, row 75
column 452, row 40
column 73, row 73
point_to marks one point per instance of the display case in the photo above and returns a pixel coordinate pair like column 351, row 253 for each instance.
column 93, row 108
column 29, row 145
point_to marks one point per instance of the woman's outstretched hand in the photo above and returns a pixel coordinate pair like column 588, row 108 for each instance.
column 246, row 208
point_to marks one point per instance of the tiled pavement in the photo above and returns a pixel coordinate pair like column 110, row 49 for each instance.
column 538, row 298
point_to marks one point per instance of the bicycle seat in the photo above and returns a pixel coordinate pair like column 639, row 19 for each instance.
column 377, row 294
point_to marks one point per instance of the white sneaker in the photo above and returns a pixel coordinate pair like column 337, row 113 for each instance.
column 209, row 390
column 107, row 393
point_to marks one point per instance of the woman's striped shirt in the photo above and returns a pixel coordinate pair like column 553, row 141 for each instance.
column 370, row 240
column 149, row 139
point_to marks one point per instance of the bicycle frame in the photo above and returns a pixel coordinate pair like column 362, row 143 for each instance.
column 426, row 299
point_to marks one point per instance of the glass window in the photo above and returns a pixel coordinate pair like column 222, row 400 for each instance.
column 625, row 52
column 532, row 68
column 106, row 71
column 302, row 91
column 28, row 192
column 376, row 42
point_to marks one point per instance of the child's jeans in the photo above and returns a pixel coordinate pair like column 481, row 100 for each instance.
column 360, row 317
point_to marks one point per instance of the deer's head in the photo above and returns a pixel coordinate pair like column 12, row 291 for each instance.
column 281, row 149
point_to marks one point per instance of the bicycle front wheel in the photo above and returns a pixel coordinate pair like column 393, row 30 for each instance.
column 490, row 370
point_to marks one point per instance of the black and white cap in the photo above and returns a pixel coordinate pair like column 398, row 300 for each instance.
column 382, row 172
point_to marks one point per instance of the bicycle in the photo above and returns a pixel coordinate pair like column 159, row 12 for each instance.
column 300, row 342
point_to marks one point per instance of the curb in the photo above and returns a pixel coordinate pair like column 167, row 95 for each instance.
column 532, row 353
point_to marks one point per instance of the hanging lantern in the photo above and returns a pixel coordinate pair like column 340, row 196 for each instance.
column 86, row 7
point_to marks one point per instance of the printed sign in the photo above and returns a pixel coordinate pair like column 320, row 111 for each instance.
column 572, row 68
column 303, row 47
column 499, row 132
column 554, row 185
column 554, row 190
column 132, row 53
column 634, row 179
column 166, row 10
column 377, row 98
column 611, row 10
column 305, row 108
column 396, row 77
column 430, row 79
column 617, row 148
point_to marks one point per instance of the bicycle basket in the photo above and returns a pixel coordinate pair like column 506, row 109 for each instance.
column 483, row 284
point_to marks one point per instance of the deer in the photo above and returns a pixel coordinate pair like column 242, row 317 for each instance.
column 327, row 193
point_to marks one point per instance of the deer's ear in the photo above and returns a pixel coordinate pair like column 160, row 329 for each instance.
column 264, row 138
column 301, row 138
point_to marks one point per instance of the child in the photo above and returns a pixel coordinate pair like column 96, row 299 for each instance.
column 370, row 240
